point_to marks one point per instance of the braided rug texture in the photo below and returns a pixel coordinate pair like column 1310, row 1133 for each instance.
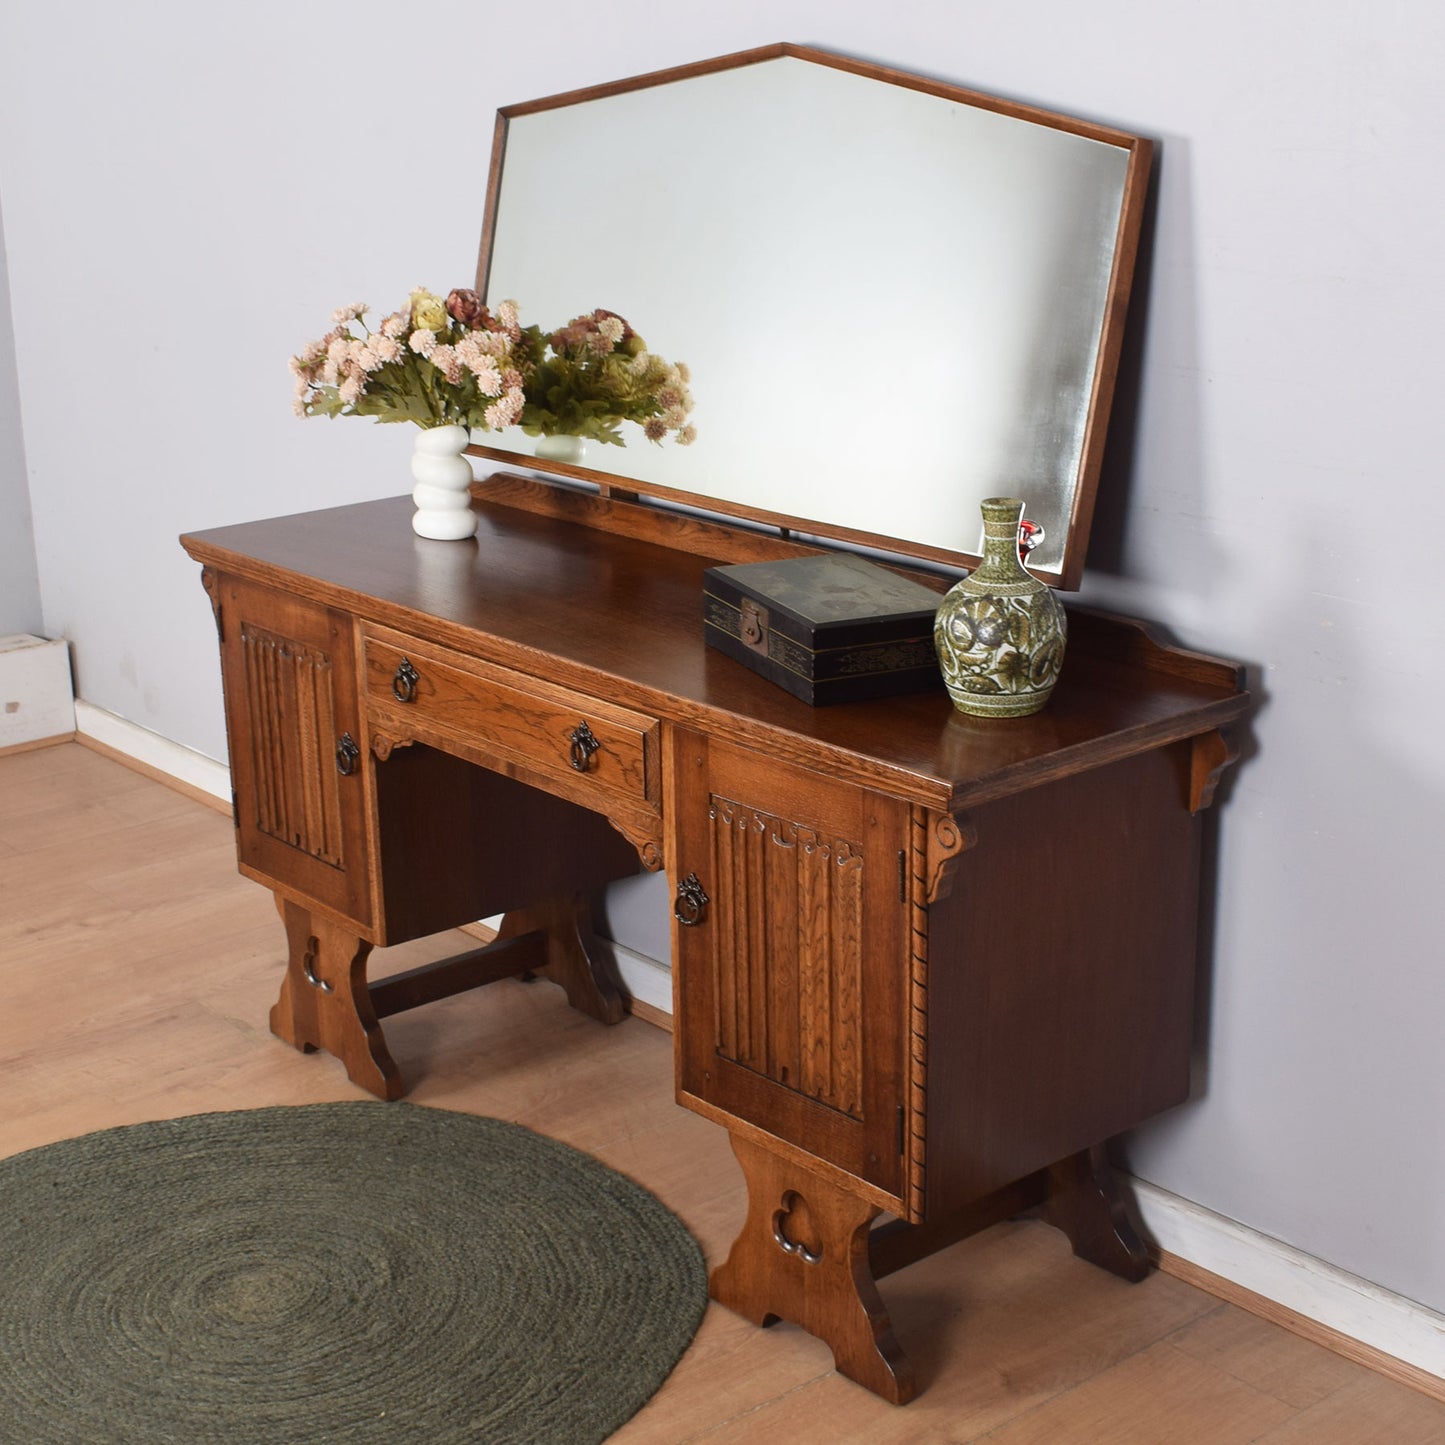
column 333, row 1272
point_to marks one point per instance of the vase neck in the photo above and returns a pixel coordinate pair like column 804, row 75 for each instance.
column 1001, row 518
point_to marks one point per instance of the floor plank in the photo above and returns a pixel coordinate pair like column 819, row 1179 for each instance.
column 137, row 970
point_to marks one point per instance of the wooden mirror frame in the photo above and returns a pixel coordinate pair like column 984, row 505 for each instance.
column 1105, row 359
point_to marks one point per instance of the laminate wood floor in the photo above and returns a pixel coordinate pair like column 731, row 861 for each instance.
column 136, row 972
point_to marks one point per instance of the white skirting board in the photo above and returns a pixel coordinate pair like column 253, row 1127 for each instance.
column 647, row 980
column 1267, row 1267
column 181, row 763
column 1310, row 1287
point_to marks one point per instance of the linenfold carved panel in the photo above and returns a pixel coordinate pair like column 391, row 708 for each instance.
column 789, row 920
column 293, row 733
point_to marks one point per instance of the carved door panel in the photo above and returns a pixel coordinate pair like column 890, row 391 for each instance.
column 293, row 722
column 791, row 953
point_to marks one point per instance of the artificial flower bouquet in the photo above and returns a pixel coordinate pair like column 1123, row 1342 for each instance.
column 458, row 362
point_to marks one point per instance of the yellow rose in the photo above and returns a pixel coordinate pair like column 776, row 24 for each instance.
column 428, row 312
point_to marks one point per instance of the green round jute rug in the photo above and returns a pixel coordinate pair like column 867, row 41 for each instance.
column 333, row 1272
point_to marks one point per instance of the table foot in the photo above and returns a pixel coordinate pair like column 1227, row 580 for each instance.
column 325, row 1002
column 1086, row 1202
column 802, row 1256
column 576, row 959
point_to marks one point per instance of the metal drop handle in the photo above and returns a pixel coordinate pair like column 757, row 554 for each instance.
column 347, row 755
column 687, row 907
column 584, row 744
column 403, row 685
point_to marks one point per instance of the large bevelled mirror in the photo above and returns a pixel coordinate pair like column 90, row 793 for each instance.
column 896, row 297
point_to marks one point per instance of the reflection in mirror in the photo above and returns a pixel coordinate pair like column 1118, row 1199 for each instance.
column 896, row 298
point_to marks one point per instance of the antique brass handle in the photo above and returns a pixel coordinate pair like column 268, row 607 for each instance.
column 347, row 755
column 584, row 744
column 403, row 685
column 687, row 907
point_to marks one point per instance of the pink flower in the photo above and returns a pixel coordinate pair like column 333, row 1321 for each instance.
column 351, row 388
column 423, row 342
column 396, row 325
column 654, row 428
column 346, row 314
column 446, row 361
column 489, row 379
column 504, row 412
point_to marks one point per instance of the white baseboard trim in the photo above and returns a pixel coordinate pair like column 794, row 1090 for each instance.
column 646, row 979
column 195, row 769
column 1342, row 1302
column 1275, row 1271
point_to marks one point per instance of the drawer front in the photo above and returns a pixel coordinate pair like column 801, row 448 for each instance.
column 593, row 752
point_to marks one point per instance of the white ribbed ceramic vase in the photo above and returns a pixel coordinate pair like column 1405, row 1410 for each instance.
column 443, row 480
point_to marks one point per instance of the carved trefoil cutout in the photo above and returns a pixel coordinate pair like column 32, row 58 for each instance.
column 788, row 953
column 293, row 736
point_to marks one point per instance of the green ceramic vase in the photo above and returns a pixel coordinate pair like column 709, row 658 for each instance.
column 1000, row 632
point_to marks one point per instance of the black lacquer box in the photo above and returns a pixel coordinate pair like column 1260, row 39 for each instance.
column 829, row 628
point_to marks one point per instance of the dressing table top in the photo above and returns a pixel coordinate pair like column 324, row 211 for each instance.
column 621, row 618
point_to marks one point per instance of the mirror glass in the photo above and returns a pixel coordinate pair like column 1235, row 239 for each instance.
column 896, row 298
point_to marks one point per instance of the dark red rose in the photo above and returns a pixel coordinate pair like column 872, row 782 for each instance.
column 468, row 308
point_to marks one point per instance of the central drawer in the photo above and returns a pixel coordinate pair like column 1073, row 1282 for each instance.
column 593, row 752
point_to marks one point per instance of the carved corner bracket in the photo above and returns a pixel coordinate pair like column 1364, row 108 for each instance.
column 211, row 581
column 649, row 849
column 383, row 745
column 945, row 839
column 1210, row 758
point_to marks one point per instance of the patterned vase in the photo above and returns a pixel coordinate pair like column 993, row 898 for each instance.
column 443, row 478
column 1000, row 632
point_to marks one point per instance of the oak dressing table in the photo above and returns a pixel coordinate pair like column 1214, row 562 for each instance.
column 924, row 965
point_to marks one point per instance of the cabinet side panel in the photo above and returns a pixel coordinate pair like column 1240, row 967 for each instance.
column 791, row 981
column 1061, row 974
column 288, row 702
column 290, row 683
column 789, row 953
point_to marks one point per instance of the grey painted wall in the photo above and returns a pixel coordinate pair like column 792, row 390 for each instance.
column 211, row 182
column 19, row 579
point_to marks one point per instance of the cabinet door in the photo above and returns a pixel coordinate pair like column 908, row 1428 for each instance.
column 291, row 698
column 792, row 981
